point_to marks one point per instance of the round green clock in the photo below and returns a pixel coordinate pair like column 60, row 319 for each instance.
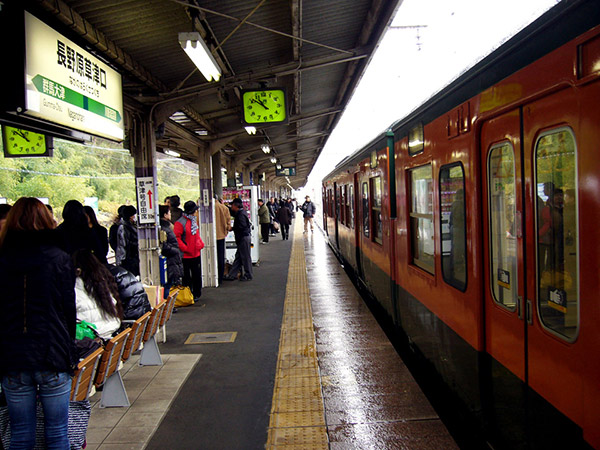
column 264, row 106
column 18, row 142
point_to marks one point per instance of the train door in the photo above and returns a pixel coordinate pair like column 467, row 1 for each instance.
column 355, row 218
column 505, row 330
column 531, row 253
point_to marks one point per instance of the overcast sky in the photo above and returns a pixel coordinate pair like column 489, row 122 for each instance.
column 410, row 65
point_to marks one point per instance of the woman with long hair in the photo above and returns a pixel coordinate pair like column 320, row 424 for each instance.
column 37, row 324
column 76, row 231
column 97, row 295
column 100, row 232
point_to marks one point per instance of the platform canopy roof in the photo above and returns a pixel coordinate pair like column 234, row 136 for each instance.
column 316, row 49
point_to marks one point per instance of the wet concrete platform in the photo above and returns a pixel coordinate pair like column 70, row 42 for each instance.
column 371, row 399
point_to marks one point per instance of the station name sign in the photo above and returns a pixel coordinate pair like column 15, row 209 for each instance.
column 286, row 172
column 69, row 86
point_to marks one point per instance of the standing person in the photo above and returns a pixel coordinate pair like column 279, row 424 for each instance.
column 176, row 212
column 284, row 216
column 273, row 212
column 96, row 294
column 76, row 231
column 241, row 229
column 170, row 250
column 290, row 205
column 309, row 210
column 168, row 201
column 127, row 251
column 37, row 324
column 190, row 243
column 223, row 225
column 113, row 231
column 100, row 232
column 264, row 219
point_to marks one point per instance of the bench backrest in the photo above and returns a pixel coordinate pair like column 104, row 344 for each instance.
column 83, row 379
column 155, row 316
column 135, row 336
column 166, row 315
column 109, row 363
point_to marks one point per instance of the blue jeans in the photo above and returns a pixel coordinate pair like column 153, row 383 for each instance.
column 22, row 390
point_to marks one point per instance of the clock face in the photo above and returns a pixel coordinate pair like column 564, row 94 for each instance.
column 264, row 106
column 19, row 142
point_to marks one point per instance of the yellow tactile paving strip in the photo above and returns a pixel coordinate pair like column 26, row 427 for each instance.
column 297, row 413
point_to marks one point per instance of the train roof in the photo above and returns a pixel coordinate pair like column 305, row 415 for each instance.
column 556, row 27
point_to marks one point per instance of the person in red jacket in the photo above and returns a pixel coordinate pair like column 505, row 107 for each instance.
column 190, row 243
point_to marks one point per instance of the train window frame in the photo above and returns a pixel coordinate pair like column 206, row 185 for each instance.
column 515, row 266
column 365, row 209
column 347, row 205
column 351, row 200
column 454, row 282
column 342, row 202
column 575, row 189
column 377, row 225
column 421, row 263
column 416, row 140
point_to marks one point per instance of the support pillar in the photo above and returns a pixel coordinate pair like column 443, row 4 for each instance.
column 216, row 174
column 143, row 147
column 206, row 213
column 246, row 175
column 230, row 167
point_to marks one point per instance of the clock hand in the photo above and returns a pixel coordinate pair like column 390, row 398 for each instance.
column 23, row 135
column 255, row 100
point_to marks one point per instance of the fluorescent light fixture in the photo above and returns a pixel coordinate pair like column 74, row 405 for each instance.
column 200, row 55
column 223, row 169
column 273, row 160
column 171, row 153
column 265, row 148
column 250, row 130
column 278, row 166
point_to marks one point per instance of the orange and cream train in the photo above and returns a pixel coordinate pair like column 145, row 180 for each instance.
column 475, row 223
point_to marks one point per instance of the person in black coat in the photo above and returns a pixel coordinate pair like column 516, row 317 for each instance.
column 242, row 232
column 100, row 232
column 284, row 217
column 131, row 291
column 37, row 324
column 127, row 251
column 170, row 250
column 76, row 231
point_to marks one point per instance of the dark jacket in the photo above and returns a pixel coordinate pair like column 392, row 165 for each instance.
column 74, row 238
column 37, row 323
column 309, row 209
column 284, row 216
column 241, row 225
column 102, row 242
column 170, row 250
column 127, row 252
column 131, row 291
column 176, row 214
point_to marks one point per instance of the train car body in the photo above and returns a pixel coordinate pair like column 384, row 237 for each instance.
column 473, row 222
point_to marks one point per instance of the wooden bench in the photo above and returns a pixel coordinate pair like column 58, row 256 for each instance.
column 150, row 355
column 83, row 379
column 166, row 315
column 109, row 375
column 136, row 335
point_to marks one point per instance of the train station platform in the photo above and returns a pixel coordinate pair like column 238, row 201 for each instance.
column 300, row 363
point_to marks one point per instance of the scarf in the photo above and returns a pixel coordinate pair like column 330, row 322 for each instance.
column 194, row 225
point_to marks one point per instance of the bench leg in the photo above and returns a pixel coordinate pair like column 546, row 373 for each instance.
column 150, row 355
column 114, row 394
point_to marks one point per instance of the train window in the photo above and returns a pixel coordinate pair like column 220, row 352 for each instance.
column 503, row 241
column 416, row 140
column 347, row 205
column 337, row 204
column 365, row 208
column 376, row 208
column 421, row 218
column 453, row 225
column 344, row 201
column 351, row 201
column 557, row 230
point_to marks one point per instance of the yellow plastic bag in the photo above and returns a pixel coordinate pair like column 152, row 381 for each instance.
column 185, row 296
